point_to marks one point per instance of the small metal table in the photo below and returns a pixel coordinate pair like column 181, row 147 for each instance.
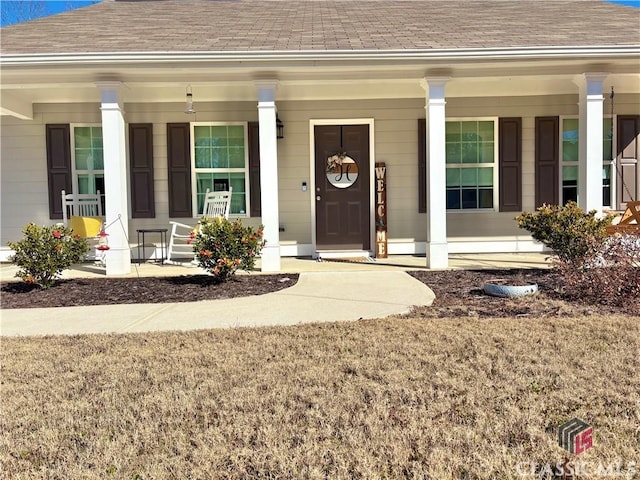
column 163, row 242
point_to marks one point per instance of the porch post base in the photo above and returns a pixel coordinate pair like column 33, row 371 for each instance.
column 118, row 261
column 437, row 255
column 270, row 258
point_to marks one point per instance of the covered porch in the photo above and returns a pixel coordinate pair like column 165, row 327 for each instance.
column 387, row 94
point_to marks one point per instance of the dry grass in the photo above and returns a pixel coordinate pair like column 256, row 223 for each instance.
column 394, row 398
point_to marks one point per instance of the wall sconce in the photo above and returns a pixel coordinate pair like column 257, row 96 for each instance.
column 279, row 127
column 189, row 107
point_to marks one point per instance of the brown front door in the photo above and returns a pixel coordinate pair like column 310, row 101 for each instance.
column 342, row 194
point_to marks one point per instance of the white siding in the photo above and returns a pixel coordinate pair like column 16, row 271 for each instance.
column 23, row 163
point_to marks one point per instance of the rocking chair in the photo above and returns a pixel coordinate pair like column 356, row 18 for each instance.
column 216, row 204
column 82, row 212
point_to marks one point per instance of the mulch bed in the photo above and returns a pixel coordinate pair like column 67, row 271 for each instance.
column 108, row 291
column 459, row 293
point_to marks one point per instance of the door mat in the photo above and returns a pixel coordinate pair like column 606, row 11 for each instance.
column 348, row 259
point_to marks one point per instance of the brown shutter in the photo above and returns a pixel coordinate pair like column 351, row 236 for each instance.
column 141, row 170
column 627, row 159
column 254, row 169
column 422, row 165
column 179, row 163
column 547, row 160
column 58, row 166
column 510, row 164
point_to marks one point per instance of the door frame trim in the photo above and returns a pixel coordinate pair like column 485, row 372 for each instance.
column 312, row 176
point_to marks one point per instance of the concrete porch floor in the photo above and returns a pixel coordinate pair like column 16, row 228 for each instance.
column 308, row 264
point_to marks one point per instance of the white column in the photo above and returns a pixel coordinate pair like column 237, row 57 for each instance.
column 591, row 110
column 270, row 257
column 118, row 258
column 437, row 249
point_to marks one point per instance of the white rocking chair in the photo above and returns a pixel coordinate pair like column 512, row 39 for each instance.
column 82, row 212
column 216, row 204
column 81, row 205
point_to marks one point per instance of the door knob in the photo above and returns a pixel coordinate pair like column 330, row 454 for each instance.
column 318, row 197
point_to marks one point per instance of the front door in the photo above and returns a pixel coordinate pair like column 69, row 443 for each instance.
column 342, row 187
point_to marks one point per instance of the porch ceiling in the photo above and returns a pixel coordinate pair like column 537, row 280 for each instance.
column 29, row 84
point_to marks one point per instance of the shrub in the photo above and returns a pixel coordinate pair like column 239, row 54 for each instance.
column 222, row 247
column 45, row 252
column 610, row 276
column 568, row 231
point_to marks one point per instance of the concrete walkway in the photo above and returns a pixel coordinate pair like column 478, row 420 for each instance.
column 325, row 292
column 316, row 297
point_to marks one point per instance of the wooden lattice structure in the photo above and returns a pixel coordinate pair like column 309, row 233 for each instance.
column 629, row 222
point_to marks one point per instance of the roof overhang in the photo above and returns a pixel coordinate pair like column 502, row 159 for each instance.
column 226, row 76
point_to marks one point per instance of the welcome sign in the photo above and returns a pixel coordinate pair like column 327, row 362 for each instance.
column 381, row 210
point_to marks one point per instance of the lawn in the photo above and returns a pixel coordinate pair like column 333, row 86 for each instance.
column 432, row 398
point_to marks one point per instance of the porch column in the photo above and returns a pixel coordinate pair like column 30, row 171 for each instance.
column 591, row 110
column 437, row 250
column 118, row 258
column 269, row 174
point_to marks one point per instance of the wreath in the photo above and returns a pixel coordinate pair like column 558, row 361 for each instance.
column 334, row 162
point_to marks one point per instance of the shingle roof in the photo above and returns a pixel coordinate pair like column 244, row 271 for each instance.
column 319, row 25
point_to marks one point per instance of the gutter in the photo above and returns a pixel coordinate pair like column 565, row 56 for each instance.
column 514, row 53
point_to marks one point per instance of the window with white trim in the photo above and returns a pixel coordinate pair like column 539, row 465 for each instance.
column 471, row 175
column 569, row 155
column 87, row 165
column 220, row 160
column 570, row 137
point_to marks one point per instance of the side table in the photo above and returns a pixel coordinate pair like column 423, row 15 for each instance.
column 163, row 242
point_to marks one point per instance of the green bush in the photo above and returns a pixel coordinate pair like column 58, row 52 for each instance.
column 45, row 252
column 568, row 231
column 222, row 247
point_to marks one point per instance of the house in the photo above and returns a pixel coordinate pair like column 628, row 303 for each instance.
column 478, row 109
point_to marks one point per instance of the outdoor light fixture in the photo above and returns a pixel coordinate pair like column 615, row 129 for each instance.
column 189, row 108
column 279, row 127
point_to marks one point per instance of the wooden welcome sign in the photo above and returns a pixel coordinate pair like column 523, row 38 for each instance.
column 381, row 210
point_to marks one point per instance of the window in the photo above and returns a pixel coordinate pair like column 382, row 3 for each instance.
column 471, row 164
column 569, row 184
column 87, row 166
column 569, row 152
column 220, row 161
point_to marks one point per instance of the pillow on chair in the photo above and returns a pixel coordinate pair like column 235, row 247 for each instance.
column 86, row 227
